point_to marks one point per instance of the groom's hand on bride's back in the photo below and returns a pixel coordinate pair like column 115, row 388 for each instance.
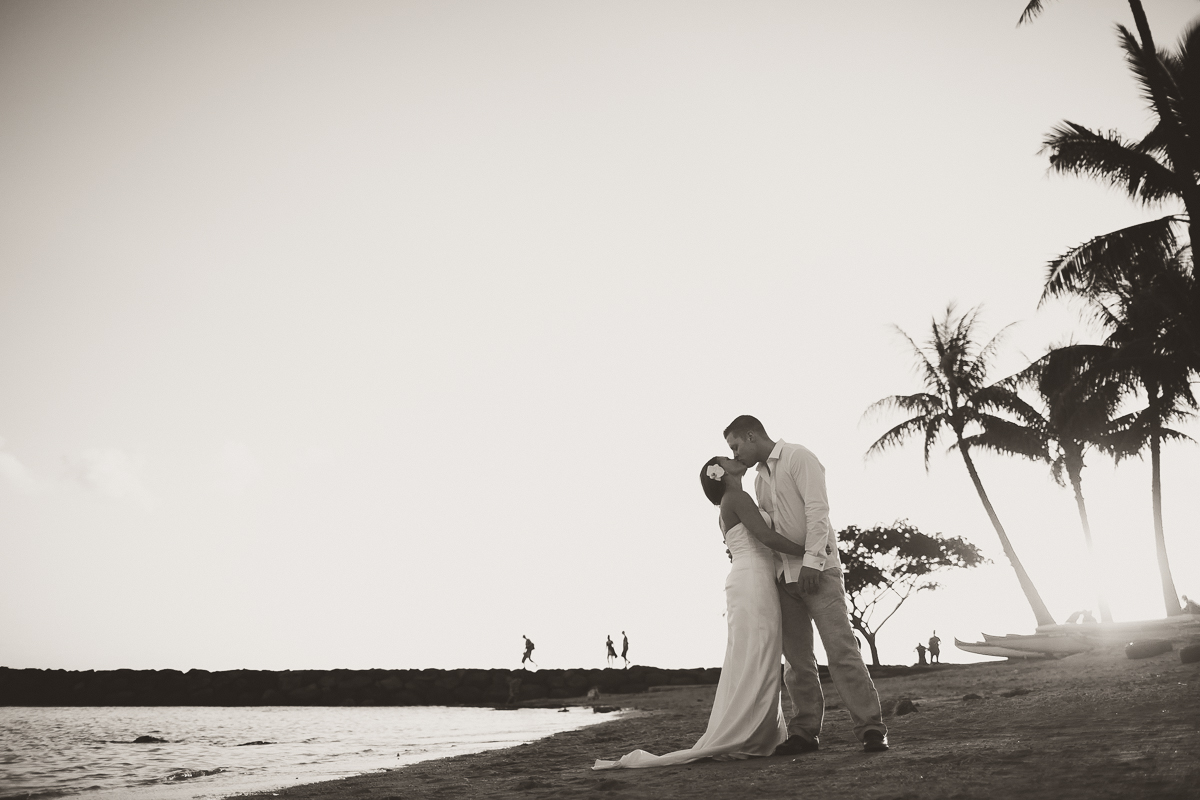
column 809, row 580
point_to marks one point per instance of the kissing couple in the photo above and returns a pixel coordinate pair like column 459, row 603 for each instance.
column 786, row 577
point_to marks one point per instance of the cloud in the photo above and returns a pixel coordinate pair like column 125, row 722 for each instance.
column 16, row 474
column 237, row 467
column 112, row 473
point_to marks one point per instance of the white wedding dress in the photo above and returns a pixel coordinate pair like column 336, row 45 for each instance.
column 746, row 718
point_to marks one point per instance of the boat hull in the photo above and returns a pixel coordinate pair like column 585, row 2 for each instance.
column 1181, row 626
column 1050, row 643
column 985, row 649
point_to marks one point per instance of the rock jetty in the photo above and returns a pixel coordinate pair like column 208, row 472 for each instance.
column 338, row 687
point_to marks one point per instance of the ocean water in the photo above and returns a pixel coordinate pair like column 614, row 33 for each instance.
column 89, row 752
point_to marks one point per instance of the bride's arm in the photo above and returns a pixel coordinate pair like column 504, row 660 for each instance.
column 749, row 515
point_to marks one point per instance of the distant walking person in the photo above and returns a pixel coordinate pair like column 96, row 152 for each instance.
column 528, row 652
column 921, row 655
column 625, row 648
column 612, row 654
column 935, row 649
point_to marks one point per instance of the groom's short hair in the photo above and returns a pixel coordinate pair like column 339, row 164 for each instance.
column 743, row 424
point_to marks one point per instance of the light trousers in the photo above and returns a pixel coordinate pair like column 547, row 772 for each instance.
column 827, row 610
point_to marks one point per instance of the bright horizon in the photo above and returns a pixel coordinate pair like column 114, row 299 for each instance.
column 377, row 335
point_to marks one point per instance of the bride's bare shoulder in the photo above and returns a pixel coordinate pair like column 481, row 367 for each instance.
column 735, row 504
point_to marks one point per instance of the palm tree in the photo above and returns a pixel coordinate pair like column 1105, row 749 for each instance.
column 1167, row 162
column 1144, row 358
column 1079, row 414
column 954, row 369
column 1139, row 280
column 1163, row 167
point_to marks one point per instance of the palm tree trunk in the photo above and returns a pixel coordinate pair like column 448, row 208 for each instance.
column 1170, row 598
column 1040, row 612
column 1077, row 485
column 1143, row 24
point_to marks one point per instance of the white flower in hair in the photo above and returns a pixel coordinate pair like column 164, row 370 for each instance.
column 716, row 472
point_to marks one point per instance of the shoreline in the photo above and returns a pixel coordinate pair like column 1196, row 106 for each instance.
column 1092, row 725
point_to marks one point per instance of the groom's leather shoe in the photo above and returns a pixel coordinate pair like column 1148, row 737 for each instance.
column 874, row 742
column 795, row 746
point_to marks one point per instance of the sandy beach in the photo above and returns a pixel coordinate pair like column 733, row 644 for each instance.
column 1092, row 725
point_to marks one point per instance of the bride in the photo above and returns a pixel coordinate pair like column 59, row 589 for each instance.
column 746, row 718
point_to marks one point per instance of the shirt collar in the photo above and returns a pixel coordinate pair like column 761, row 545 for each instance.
column 763, row 468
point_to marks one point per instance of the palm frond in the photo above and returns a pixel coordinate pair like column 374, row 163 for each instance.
column 1155, row 73
column 931, row 436
column 921, row 403
column 1008, row 438
column 986, row 357
column 1141, row 64
column 1187, row 77
column 1057, row 468
column 999, row 397
column 930, row 377
column 954, row 370
column 1162, row 78
column 1076, row 150
column 1101, row 264
column 1156, row 141
column 1032, row 10
column 905, row 430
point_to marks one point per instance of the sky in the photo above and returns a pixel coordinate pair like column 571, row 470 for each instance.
column 380, row 334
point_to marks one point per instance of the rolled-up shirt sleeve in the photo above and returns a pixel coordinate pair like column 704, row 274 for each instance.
column 809, row 477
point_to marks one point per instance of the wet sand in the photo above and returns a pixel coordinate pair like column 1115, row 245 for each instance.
column 1092, row 725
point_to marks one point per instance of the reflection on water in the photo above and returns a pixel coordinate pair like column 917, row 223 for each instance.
column 212, row 752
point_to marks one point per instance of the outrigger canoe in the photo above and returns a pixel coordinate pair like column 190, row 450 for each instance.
column 985, row 649
column 1178, row 626
column 1059, row 644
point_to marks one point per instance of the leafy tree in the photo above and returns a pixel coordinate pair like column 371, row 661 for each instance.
column 959, row 401
column 886, row 565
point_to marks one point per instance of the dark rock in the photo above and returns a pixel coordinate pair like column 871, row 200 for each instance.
column 605, row 709
column 149, row 740
column 1147, row 647
column 972, row 696
column 1189, row 654
column 253, row 744
column 1017, row 692
column 906, row 706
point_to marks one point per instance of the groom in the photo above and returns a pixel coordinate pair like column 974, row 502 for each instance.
column 791, row 488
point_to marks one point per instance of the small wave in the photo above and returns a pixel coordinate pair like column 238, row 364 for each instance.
column 187, row 774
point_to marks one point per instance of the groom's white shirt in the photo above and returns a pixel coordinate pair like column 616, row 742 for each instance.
column 791, row 488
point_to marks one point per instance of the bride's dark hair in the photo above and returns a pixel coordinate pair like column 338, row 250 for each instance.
column 714, row 490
